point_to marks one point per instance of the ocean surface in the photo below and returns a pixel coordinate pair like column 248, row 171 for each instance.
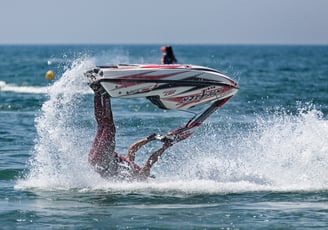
column 260, row 162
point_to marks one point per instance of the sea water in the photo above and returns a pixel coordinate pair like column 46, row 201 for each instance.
column 260, row 162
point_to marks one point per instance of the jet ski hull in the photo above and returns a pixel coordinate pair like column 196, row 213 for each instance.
column 178, row 87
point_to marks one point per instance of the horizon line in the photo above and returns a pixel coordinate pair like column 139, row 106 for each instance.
column 161, row 44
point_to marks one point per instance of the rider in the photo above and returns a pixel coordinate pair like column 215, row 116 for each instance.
column 102, row 155
column 168, row 55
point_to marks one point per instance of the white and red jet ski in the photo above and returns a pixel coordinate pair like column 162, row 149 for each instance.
column 177, row 87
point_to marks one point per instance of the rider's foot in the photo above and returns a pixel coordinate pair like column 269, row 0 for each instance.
column 97, row 88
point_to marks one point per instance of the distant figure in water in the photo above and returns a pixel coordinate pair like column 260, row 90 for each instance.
column 103, row 157
column 168, row 55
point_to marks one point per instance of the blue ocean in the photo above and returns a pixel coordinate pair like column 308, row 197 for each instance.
column 259, row 162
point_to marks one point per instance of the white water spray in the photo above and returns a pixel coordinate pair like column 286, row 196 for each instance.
column 59, row 159
column 282, row 152
column 285, row 152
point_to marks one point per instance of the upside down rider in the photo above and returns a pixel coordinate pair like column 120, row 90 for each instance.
column 103, row 157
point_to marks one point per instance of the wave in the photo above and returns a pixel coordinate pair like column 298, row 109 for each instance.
column 4, row 87
column 278, row 152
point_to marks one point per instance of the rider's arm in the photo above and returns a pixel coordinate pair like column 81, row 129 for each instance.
column 145, row 170
column 137, row 145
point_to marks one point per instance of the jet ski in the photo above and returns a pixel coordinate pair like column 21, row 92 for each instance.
column 170, row 87
column 177, row 87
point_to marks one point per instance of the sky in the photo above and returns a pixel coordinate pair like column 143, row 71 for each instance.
column 164, row 22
